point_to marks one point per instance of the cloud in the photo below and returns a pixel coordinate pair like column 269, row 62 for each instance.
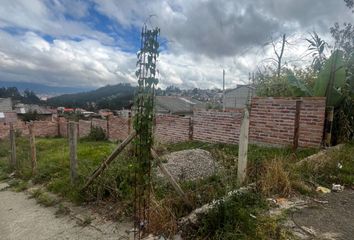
column 225, row 27
column 92, row 43
column 49, row 19
column 63, row 62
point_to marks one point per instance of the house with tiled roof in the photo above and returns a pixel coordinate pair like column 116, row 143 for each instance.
column 7, row 114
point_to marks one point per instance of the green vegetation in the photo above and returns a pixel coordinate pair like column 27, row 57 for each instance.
column 97, row 134
column 240, row 217
column 337, row 167
column 274, row 169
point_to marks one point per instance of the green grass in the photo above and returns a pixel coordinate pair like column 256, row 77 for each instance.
column 241, row 216
column 328, row 171
column 53, row 162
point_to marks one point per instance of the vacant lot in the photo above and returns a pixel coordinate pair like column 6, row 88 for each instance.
column 273, row 169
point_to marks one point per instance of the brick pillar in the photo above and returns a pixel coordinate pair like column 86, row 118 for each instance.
column 190, row 133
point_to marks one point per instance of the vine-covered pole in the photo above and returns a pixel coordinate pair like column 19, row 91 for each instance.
column 143, row 125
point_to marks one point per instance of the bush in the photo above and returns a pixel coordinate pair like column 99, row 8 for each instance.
column 232, row 219
column 97, row 134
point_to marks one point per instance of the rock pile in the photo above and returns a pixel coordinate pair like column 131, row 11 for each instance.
column 190, row 164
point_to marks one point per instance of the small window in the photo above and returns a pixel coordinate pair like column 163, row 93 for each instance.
column 2, row 115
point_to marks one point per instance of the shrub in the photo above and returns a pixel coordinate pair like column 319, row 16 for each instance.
column 97, row 134
column 231, row 219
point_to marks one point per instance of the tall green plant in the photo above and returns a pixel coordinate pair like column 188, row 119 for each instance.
column 316, row 48
column 331, row 79
column 143, row 123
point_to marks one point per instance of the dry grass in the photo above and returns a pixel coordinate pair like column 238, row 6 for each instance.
column 162, row 219
column 274, row 179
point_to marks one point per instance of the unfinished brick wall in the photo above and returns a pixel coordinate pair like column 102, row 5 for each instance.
column 272, row 121
column 216, row 126
column 4, row 130
column 172, row 128
column 84, row 128
column 119, row 127
column 312, row 118
column 99, row 123
column 45, row 129
column 63, row 127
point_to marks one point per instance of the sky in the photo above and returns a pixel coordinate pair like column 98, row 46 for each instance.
column 92, row 43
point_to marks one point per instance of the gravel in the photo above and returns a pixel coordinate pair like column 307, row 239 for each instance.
column 190, row 164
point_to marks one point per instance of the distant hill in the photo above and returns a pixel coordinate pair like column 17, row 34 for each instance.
column 111, row 96
column 43, row 89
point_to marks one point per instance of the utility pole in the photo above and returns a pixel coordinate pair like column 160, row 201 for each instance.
column 223, row 89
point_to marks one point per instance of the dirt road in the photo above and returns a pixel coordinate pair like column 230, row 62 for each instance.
column 330, row 217
column 22, row 218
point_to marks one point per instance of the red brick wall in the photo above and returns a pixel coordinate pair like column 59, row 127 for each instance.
column 312, row 117
column 4, row 130
column 272, row 121
column 118, row 127
column 63, row 127
column 216, row 126
column 10, row 117
column 172, row 128
column 84, row 128
column 99, row 123
column 45, row 129
column 22, row 128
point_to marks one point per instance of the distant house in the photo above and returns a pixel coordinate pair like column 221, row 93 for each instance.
column 7, row 114
column 42, row 113
column 239, row 97
column 177, row 105
column 123, row 113
column 104, row 113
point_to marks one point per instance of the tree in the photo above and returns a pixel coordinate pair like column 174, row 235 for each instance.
column 316, row 48
column 279, row 54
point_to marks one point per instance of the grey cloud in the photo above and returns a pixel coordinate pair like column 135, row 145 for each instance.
column 227, row 27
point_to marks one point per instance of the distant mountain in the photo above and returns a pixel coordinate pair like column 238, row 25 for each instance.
column 43, row 89
column 27, row 96
column 111, row 96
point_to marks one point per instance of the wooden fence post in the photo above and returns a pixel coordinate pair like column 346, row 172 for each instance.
column 328, row 126
column 242, row 149
column 73, row 151
column 13, row 160
column 33, row 148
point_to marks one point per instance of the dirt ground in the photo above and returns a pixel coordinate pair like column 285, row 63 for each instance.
column 22, row 218
column 330, row 216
